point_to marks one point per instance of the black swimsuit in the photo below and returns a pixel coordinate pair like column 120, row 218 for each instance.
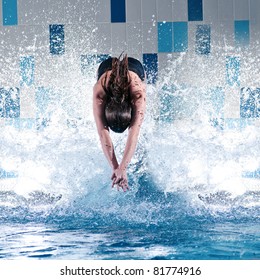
column 134, row 65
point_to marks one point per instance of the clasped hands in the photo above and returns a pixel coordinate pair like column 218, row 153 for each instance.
column 119, row 179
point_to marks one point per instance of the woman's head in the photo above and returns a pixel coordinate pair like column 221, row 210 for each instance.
column 118, row 116
column 118, row 111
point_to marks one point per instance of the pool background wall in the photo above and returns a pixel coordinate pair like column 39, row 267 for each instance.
column 51, row 48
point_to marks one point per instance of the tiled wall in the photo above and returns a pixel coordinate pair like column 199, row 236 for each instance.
column 48, row 46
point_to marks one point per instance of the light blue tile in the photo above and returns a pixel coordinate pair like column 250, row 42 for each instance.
column 27, row 70
column 233, row 70
column 8, row 174
column 217, row 98
column 165, row 36
column 9, row 9
column 180, row 36
column 42, row 101
column 237, row 124
column 27, row 124
column 242, row 37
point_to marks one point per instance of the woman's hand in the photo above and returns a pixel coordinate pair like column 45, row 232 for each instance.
column 119, row 179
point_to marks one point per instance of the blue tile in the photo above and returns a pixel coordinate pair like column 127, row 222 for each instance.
column 57, row 42
column 118, row 11
column 150, row 62
column 233, row 70
column 164, row 36
column 203, row 39
column 241, row 33
column 249, row 103
column 10, row 103
column 195, row 10
column 180, row 36
column 9, row 10
column 27, row 70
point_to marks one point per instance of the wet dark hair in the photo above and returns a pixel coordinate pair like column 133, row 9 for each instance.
column 118, row 110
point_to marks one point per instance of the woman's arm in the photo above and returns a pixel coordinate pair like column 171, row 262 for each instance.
column 99, row 103
column 138, row 96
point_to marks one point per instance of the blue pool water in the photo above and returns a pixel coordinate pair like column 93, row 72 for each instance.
column 192, row 195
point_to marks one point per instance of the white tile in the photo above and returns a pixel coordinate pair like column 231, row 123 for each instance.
column 164, row 10
column 78, row 11
column 210, row 10
column 27, row 102
column 88, row 11
column 9, row 57
column 149, row 12
column 25, row 12
column 80, row 38
column 241, row 9
column 55, row 13
column 254, row 37
column 40, row 9
column 180, row 10
column 225, row 10
column 103, row 13
column 165, row 63
column 133, row 11
column 226, row 36
column 232, row 103
column 72, row 10
column 27, row 37
column 254, row 9
column 150, row 37
column 42, row 36
column 249, row 76
column 104, row 38
column 118, row 38
column 134, row 37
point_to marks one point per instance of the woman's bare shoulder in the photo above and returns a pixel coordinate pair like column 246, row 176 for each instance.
column 98, row 90
column 137, row 86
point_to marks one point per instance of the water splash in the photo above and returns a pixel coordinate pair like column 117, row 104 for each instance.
column 184, row 165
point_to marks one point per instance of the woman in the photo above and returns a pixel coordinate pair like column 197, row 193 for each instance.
column 119, row 99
